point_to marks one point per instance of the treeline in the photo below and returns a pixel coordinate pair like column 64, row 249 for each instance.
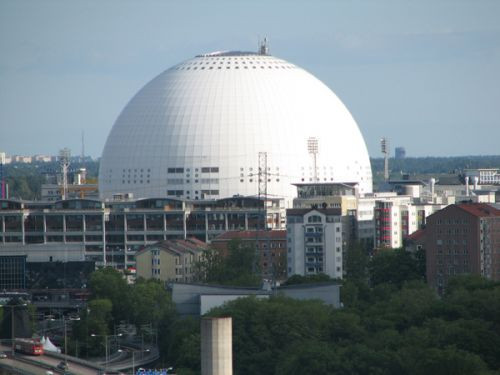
column 114, row 302
column 436, row 165
column 25, row 179
column 391, row 323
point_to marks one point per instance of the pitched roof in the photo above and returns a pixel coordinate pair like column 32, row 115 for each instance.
column 417, row 235
column 252, row 235
column 479, row 209
column 178, row 246
column 303, row 211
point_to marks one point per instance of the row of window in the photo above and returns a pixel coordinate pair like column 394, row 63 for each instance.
column 203, row 170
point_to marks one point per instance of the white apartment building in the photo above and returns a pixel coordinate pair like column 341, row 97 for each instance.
column 485, row 176
column 315, row 242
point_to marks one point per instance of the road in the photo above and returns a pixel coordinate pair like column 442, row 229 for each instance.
column 44, row 361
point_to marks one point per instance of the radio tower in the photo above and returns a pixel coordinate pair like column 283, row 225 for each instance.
column 384, row 145
column 64, row 155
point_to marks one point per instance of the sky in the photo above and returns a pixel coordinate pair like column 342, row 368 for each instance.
column 425, row 74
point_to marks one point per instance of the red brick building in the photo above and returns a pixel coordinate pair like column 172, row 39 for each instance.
column 271, row 245
column 462, row 238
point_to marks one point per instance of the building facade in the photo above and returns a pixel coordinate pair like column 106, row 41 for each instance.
column 461, row 239
column 171, row 260
column 110, row 233
column 315, row 242
column 269, row 245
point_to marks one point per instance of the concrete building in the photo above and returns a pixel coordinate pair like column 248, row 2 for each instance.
column 327, row 195
column 460, row 239
column 270, row 246
column 110, row 233
column 484, row 176
column 170, row 260
column 315, row 241
column 198, row 299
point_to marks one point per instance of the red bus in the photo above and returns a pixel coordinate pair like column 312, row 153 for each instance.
column 28, row 346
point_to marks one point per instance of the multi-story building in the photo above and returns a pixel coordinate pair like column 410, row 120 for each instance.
column 462, row 238
column 485, row 176
column 270, row 246
column 112, row 232
column 315, row 241
column 171, row 260
column 53, row 192
column 400, row 153
column 397, row 217
column 327, row 195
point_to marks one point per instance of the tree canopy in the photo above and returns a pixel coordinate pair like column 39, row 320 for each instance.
column 237, row 266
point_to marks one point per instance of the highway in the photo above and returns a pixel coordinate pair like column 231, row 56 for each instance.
column 34, row 365
column 40, row 364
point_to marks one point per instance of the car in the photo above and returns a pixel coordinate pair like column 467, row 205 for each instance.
column 3, row 355
column 48, row 372
column 62, row 365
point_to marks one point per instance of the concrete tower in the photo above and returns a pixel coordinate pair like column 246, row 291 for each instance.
column 216, row 346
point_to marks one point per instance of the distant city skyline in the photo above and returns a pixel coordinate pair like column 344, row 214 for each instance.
column 423, row 74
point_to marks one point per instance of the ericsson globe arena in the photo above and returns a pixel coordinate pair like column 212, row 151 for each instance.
column 196, row 132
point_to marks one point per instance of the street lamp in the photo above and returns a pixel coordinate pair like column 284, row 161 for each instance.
column 12, row 338
column 106, row 337
column 65, row 337
column 133, row 356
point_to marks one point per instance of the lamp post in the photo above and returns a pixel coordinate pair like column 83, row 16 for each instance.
column 133, row 356
column 64, row 321
column 106, row 337
column 12, row 338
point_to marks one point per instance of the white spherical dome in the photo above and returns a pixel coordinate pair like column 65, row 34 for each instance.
column 196, row 130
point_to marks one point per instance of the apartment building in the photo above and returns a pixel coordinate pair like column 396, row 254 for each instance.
column 462, row 238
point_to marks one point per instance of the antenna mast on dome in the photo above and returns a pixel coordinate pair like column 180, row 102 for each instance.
column 263, row 47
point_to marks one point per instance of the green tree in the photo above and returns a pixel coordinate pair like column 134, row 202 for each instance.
column 150, row 303
column 94, row 320
column 108, row 283
column 356, row 262
column 395, row 267
column 237, row 266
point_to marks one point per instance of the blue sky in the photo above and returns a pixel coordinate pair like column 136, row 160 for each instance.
column 425, row 74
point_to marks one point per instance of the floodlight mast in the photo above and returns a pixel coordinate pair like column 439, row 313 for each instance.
column 64, row 156
column 312, row 148
column 384, row 146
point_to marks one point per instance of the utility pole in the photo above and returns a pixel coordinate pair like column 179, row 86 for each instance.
column 263, row 177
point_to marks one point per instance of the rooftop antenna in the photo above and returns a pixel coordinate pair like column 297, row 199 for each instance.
column 264, row 47
column 312, row 148
column 64, row 156
column 384, row 146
